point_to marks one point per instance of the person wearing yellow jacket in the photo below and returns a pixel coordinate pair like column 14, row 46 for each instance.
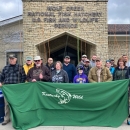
column 29, row 64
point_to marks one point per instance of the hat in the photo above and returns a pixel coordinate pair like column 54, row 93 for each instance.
column 29, row 58
column 84, row 56
column 98, row 59
column 111, row 59
column 37, row 58
column 80, row 67
column 87, row 60
column 12, row 56
column 67, row 57
column 107, row 61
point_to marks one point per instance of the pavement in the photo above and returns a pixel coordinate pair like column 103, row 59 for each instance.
column 124, row 126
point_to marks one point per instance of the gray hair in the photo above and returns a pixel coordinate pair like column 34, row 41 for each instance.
column 59, row 63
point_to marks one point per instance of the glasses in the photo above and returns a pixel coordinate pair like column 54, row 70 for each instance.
column 37, row 60
column 84, row 57
column 28, row 60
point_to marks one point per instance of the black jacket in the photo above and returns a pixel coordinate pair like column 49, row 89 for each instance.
column 61, row 77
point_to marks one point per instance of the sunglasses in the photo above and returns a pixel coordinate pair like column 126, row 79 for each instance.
column 37, row 60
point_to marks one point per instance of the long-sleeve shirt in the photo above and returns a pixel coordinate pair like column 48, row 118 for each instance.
column 13, row 74
column 80, row 78
column 71, row 71
column 59, row 77
column 34, row 73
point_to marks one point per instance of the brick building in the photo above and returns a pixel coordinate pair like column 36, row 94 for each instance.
column 63, row 27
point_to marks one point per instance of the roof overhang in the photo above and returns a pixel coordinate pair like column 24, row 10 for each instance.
column 65, row 33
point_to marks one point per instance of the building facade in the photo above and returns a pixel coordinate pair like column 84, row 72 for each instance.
column 57, row 28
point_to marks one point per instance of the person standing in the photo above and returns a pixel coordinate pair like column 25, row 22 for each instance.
column 121, row 71
column 87, row 66
column 59, row 75
column 112, row 61
column 29, row 64
column 69, row 68
column 108, row 65
column 99, row 73
column 80, row 77
column 11, row 74
column 39, row 72
column 127, row 62
column 83, row 58
column 93, row 61
column 50, row 64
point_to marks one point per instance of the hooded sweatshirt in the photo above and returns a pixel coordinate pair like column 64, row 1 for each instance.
column 80, row 78
column 28, row 67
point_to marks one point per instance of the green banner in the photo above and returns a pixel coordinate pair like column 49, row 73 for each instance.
column 64, row 104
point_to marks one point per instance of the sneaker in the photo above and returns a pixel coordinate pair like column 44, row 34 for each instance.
column 5, row 122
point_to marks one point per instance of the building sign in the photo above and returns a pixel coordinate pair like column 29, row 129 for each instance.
column 69, row 18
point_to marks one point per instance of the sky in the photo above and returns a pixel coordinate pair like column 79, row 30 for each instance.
column 118, row 10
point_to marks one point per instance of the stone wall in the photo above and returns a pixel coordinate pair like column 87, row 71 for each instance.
column 96, row 32
column 10, row 40
column 118, row 46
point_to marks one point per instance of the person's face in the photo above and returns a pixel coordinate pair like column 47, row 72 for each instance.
column 125, row 58
column 98, row 63
column 112, row 62
column 108, row 64
column 12, row 61
column 67, row 60
column 80, row 71
column 121, row 63
column 50, row 61
column 84, row 58
column 29, row 62
column 94, row 58
column 38, row 63
column 87, row 63
column 58, row 66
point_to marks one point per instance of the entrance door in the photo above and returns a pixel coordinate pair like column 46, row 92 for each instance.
column 60, row 54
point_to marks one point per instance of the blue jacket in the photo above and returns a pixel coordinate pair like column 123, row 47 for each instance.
column 71, row 71
column 80, row 78
column 112, row 69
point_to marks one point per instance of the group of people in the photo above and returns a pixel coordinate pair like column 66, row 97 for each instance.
column 85, row 72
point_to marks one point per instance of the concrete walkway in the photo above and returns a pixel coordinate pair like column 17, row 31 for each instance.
column 124, row 126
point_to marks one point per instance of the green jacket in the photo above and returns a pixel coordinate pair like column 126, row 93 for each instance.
column 120, row 74
column 104, row 76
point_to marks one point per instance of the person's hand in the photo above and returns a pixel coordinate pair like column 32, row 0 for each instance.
column 41, row 76
column 34, row 80
column 0, row 84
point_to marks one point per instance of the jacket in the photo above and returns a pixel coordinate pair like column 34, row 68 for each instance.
column 51, row 67
column 61, row 77
column 13, row 74
column 120, row 74
column 80, row 78
column 27, row 67
column 105, row 75
column 71, row 71
column 87, row 69
column 34, row 73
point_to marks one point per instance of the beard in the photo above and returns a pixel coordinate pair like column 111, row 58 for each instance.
column 38, row 65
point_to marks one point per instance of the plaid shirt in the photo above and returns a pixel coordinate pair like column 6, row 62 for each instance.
column 13, row 74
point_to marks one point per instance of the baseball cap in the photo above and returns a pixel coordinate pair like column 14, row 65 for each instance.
column 84, row 56
column 29, row 58
column 12, row 56
column 87, row 60
column 111, row 59
column 107, row 61
column 80, row 67
column 98, row 59
column 67, row 57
